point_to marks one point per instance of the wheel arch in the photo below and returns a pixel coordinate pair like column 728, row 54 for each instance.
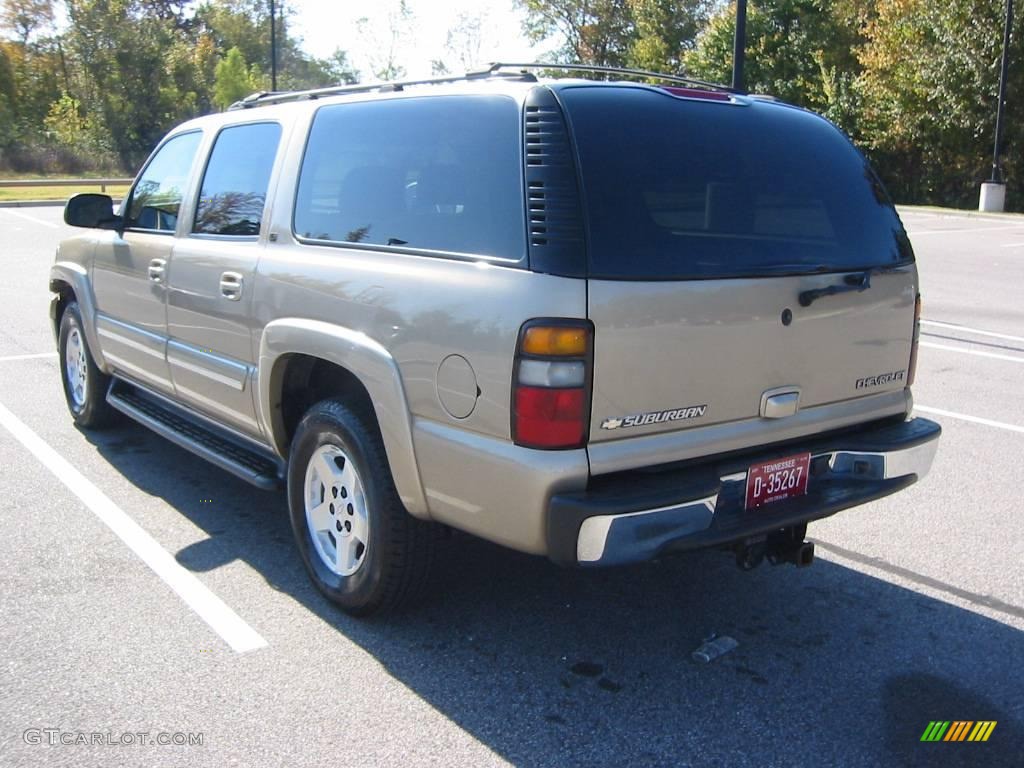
column 70, row 282
column 302, row 361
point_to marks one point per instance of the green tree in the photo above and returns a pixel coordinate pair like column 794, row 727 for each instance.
column 801, row 51
column 245, row 24
column 645, row 34
column 929, row 90
column 74, row 130
column 28, row 83
column 339, row 69
column 233, row 80
column 8, row 97
column 120, row 48
column 100, row 92
column 587, row 31
column 242, row 24
column 664, row 30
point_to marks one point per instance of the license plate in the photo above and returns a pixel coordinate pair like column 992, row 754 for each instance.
column 776, row 480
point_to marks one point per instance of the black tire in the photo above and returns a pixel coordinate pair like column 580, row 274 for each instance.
column 87, row 397
column 399, row 548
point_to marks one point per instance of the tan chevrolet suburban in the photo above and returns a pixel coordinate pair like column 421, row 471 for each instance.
column 600, row 321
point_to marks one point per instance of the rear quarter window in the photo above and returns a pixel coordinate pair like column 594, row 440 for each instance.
column 679, row 188
column 438, row 174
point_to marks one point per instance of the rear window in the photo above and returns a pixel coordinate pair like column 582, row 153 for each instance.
column 677, row 188
column 435, row 173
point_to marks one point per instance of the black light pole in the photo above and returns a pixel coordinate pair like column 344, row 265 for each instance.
column 997, row 174
column 740, row 44
column 273, row 48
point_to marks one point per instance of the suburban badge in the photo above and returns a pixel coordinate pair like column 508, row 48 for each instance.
column 643, row 419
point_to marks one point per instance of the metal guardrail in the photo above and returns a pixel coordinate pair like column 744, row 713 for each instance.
column 101, row 183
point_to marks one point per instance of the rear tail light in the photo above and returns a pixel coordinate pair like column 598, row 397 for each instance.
column 555, row 341
column 912, row 368
column 551, row 384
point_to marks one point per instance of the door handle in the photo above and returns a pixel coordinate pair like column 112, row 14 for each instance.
column 156, row 270
column 231, row 286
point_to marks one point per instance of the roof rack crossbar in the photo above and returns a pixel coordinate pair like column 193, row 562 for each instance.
column 615, row 71
column 277, row 97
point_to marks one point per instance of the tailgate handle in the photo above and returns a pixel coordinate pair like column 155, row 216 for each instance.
column 780, row 403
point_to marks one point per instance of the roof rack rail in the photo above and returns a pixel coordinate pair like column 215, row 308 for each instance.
column 495, row 67
column 493, row 70
column 263, row 98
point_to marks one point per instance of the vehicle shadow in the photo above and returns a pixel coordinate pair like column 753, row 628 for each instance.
column 548, row 666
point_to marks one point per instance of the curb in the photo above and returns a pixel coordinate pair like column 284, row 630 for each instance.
column 39, row 203
column 31, row 203
column 959, row 212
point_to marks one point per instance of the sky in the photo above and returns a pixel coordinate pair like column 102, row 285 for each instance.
column 325, row 25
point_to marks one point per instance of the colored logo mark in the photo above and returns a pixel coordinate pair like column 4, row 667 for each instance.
column 958, row 730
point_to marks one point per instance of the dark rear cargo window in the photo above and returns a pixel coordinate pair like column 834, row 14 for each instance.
column 676, row 188
column 434, row 173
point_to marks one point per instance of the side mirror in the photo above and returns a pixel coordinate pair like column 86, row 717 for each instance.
column 93, row 211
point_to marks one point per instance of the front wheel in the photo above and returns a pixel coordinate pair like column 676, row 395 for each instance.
column 362, row 549
column 85, row 385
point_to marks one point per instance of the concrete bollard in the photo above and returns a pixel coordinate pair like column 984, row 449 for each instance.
column 993, row 197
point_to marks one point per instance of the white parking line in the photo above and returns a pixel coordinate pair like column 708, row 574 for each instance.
column 972, row 419
column 975, row 331
column 210, row 608
column 33, row 219
column 975, row 352
column 11, row 358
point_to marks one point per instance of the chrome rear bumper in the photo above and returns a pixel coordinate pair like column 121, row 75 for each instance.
column 599, row 527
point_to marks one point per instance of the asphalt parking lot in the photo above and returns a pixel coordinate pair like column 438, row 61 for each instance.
column 147, row 596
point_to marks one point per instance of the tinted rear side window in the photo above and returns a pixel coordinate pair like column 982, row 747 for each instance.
column 235, row 183
column 677, row 188
column 434, row 173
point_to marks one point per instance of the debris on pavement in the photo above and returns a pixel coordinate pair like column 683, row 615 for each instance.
column 713, row 647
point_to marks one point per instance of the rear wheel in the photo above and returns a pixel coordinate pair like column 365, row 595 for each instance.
column 362, row 549
column 85, row 385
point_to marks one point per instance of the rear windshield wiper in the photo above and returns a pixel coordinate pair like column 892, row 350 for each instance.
column 858, row 282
